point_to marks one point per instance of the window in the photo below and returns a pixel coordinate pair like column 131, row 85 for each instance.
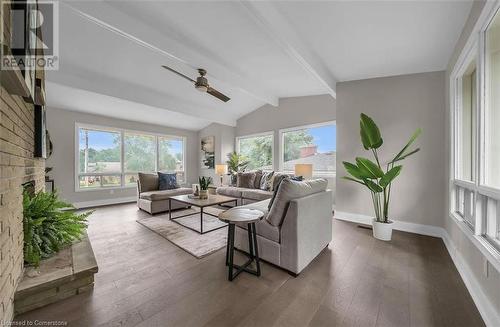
column 111, row 158
column 314, row 144
column 475, row 90
column 467, row 122
column 492, row 115
column 257, row 150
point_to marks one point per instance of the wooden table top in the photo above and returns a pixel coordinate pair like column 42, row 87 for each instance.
column 241, row 215
column 213, row 199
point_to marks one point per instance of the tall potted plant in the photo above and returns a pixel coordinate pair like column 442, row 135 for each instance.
column 235, row 163
column 377, row 177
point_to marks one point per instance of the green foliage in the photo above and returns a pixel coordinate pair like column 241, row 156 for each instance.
column 371, row 174
column 257, row 150
column 204, row 182
column 235, row 163
column 47, row 227
column 295, row 140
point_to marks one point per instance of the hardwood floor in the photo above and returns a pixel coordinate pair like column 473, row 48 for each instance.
column 144, row 280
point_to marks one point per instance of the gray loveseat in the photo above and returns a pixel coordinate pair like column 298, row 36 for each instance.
column 296, row 228
column 152, row 200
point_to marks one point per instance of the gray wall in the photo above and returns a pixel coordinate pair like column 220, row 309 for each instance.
column 61, row 125
column 224, row 144
column 471, row 255
column 291, row 112
column 399, row 105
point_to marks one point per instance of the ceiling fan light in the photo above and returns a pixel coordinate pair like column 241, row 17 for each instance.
column 201, row 88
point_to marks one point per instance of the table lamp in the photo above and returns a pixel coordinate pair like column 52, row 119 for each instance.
column 221, row 170
column 304, row 170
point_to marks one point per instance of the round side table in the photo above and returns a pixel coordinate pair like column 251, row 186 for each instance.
column 249, row 217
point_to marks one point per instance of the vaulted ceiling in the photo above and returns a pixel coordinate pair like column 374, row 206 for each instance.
column 255, row 52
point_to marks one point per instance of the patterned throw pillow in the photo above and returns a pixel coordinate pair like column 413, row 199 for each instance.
column 258, row 178
column 296, row 178
column 266, row 181
column 167, row 181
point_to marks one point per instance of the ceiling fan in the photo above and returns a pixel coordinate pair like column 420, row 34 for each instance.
column 201, row 83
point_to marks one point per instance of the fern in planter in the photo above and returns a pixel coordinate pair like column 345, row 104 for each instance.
column 47, row 227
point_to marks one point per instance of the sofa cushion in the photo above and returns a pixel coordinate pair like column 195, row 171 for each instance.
column 256, row 194
column 295, row 178
column 148, row 182
column 290, row 190
column 246, row 179
column 165, row 194
column 167, row 181
column 232, row 191
column 277, row 177
column 266, row 181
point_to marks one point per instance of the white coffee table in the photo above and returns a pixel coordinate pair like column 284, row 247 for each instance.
column 249, row 217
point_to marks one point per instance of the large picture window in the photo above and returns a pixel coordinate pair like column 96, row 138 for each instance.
column 257, row 150
column 313, row 144
column 475, row 177
column 111, row 158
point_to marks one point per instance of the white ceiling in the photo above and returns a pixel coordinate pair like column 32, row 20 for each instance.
column 255, row 52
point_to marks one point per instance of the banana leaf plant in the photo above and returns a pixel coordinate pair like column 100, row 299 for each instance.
column 371, row 174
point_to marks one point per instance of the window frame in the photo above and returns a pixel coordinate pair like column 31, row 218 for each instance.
column 268, row 133
column 281, row 154
column 122, row 172
column 475, row 47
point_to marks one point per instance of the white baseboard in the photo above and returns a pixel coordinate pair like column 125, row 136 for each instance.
column 486, row 308
column 104, row 202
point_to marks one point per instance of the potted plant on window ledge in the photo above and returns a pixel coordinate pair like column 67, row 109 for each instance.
column 375, row 177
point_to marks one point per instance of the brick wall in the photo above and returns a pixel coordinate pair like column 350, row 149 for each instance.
column 17, row 166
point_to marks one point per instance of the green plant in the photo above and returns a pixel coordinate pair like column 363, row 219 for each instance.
column 204, row 182
column 235, row 163
column 47, row 227
column 371, row 174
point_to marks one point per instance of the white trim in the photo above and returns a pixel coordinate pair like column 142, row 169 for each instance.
column 485, row 307
column 104, row 202
column 281, row 144
column 269, row 133
column 122, row 132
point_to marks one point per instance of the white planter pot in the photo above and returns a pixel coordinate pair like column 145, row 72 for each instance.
column 382, row 231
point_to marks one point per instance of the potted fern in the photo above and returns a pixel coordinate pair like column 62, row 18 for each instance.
column 49, row 225
column 204, row 183
column 377, row 177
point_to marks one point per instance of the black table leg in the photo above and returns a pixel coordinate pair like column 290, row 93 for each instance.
column 227, row 245
column 201, row 220
column 231, row 251
column 169, row 209
column 255, row 248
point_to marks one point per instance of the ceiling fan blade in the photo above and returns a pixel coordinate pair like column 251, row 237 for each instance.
column 217, row 94
column 180, row 74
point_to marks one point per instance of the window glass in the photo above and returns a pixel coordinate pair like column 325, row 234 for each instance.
column 171, row 155
column 467, row 122
column 99, row 151
column 315, row 145
column 258, row 151
column 140, row 153
column 492, row 121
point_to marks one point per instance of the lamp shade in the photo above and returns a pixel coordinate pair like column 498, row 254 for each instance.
column 304, row 170
column 221, row 169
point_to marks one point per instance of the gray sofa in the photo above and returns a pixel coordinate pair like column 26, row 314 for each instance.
column 152, row 200
column 296, row 228
column 250, row 191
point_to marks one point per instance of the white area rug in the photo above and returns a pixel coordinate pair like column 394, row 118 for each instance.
column 188, row 240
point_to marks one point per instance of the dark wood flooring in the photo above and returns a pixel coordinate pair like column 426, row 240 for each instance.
column 144, row 280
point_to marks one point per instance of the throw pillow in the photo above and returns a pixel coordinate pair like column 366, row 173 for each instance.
column 296, row 178
column 258, row 177
column 266, row 181
column 167, row 181
column 278, row 177
column 246, row 180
